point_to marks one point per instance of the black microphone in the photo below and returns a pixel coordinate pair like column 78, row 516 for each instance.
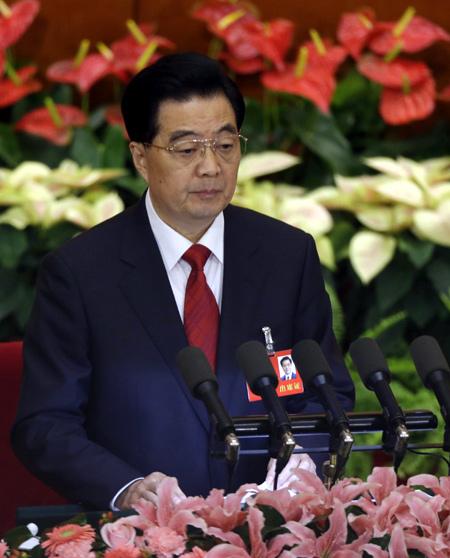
column 317, row 376
column 434, row 371
column 202, row 383
column 260, row 375
column 374, row 372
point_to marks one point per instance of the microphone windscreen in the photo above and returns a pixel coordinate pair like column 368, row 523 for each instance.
column 310, row 361
column 368, row 358
column 428, row 356
column 253, row 360
column 194, row 367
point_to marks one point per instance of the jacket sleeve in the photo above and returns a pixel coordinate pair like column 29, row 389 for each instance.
column 49, row 434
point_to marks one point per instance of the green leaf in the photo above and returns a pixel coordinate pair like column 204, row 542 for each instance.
column 115, row 148
column 321, row 135
column 13, row 244
column 420, row 306
column 439, row 274
column 393, row 284
column 22, row 313
column 272, row 519
column 418, row 251
column 134, row 184
column 340, row 237
column 85, row 149
column 11, row 292
column 9, row 146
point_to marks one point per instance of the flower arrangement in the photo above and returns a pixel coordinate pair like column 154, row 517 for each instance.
column 375, row 518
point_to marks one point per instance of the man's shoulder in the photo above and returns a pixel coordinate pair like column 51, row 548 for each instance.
column 100, row 240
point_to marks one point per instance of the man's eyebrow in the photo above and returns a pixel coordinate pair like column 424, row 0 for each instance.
column 179, row 134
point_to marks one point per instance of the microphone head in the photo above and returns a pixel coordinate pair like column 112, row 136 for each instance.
column 195, row 368
column 428, row 357
column 310, row 361
column 368, row 358
column 253, row 360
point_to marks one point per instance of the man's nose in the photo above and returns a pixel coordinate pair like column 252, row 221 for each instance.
column 209, row 161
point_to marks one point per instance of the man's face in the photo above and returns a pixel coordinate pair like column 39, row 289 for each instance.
column 188, row 195
column 286, row 364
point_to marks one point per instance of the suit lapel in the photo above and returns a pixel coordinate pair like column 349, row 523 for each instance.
column 147, row 289
column 239, row 297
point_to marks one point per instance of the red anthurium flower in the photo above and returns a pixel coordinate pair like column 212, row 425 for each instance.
column 15, row 20
column 138, row 49
column 248, row 66
column 40, row 122
column 393, row 74
column 323, row 54
column 400, row 107
column 93, row 68
column 418, row 34
column 354, row 30
column 444, row 95
column 227, row 20
column 113, row 116
column 272, row 40
column 315, row 84
column 12, row 90
column 2, row 61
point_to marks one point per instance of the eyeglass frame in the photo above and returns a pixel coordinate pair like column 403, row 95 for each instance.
column 205, row 142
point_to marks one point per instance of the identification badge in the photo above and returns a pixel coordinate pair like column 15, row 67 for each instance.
column 289, row 380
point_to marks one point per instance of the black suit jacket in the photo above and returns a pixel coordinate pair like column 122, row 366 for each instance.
column 102, row 400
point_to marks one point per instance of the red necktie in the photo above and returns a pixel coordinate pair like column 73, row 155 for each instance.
column 201, row 313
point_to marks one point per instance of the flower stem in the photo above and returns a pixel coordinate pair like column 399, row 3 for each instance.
column 53, row 111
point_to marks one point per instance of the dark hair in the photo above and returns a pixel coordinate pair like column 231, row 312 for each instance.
column 177, row 77
column 286, row 358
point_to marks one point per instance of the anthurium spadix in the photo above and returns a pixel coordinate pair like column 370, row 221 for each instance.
column 370, row 252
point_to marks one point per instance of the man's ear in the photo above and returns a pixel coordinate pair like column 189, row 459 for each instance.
column 139, row 158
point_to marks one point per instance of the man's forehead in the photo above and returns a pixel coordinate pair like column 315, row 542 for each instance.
column 196, row 115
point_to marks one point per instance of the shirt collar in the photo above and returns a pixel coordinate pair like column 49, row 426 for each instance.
column 173, row 245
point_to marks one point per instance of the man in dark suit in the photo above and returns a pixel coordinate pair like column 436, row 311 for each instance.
column 104, row 413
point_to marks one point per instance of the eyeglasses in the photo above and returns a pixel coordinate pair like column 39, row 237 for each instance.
column 227, row 146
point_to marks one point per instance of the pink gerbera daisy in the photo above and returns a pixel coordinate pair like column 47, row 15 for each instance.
column 70, row 533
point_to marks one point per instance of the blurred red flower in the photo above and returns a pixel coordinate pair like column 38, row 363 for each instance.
column 265, row 41
column 418, row 34
column 314, row 84
column 2, row 61
column 15, row 20
column 313, row 74
column 401, row 107
column 138, row 49
column 354, row 30
column 395, row 73
column 12, row 91
column 409, row 89
column 113, row 116
column 40, row 122
column 93, row 68
column 228, row 20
